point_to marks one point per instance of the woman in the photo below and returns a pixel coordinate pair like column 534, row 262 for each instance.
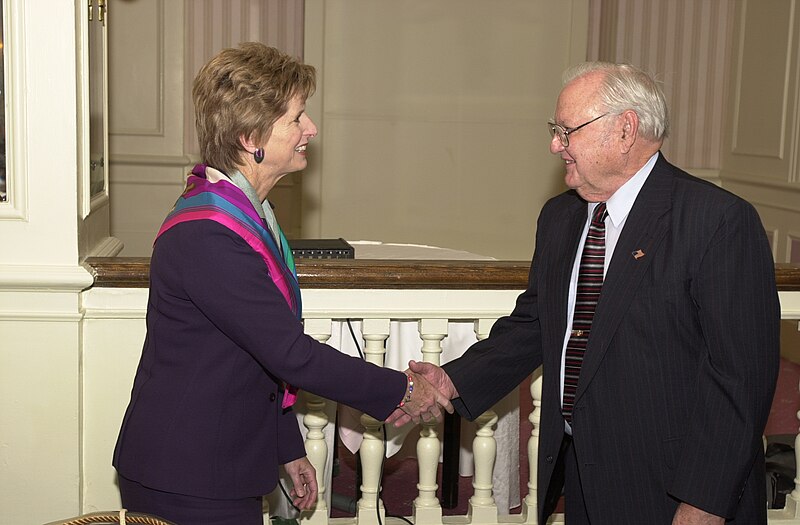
column 209, row 423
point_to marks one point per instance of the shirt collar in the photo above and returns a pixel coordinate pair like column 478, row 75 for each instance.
column 241, row 182
column 619, row 205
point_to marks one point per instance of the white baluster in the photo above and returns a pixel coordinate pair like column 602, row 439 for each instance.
column 530, row 510
column 482, row 507
column 427, row 509
column 266, row 519
column 375, row 332
column 315, row 421
column 483, row 327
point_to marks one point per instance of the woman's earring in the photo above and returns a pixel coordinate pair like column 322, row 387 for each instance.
column 258, row 155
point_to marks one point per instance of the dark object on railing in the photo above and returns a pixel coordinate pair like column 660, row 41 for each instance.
column 322, row 249
column 451, row 449
column 781, row 469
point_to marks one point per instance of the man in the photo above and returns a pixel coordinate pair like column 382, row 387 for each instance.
column 658, row 368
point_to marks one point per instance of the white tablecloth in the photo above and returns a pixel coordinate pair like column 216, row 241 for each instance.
column 391, row 250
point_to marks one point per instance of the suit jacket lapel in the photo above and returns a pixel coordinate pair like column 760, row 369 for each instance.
column 645, row 227
column 558, row 258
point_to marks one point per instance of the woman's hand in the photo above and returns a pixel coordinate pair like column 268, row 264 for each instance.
column 430, row 394
column 304, row 478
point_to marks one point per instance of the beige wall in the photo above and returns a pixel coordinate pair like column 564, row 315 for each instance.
column 431, row 114
column 685, row 44
column 427, row 115
column 146, row 132
column 432, row 119
column 730, row 76
column 761, row 153
column 155, row 49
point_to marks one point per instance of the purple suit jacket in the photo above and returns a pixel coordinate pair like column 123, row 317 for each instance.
column 205, row 415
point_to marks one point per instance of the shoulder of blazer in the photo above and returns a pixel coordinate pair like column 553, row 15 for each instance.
column 568, row 202
column 685, row 184
column 669, row 187
column 560, row 220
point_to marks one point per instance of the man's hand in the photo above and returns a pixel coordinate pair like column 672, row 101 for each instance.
column 435, row 390
column 304, row 478
column 436, row 376
column 689, row 515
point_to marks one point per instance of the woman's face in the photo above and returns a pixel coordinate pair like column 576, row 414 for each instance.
column 285, row 151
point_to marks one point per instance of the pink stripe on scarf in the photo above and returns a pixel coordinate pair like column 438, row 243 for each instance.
column 251, row 239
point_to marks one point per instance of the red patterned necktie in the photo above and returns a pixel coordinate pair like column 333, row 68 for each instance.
column 590, row 282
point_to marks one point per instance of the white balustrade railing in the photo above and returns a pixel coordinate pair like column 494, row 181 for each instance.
column 432, row 310
column 341, row 296
column 426, row 507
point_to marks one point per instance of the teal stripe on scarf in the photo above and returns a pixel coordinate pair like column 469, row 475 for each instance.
column 207, row 200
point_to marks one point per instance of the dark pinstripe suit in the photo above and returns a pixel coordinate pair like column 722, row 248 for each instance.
column 681, row 365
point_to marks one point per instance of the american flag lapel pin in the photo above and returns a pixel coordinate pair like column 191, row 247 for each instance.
column 638, row 254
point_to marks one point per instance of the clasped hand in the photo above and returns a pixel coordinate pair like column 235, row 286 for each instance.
column 432, row 391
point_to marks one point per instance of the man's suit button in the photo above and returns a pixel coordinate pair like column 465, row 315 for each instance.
column 272, row 397
column 549, row 459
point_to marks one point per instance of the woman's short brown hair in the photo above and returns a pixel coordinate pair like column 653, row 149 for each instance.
column 242, row 92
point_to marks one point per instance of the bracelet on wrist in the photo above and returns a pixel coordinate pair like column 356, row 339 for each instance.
column 409, row 392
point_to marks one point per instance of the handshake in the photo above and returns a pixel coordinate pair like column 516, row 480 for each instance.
column 432, row 391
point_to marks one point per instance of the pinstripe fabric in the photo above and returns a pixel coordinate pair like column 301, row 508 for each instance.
column 590, row 282
column 678, row 375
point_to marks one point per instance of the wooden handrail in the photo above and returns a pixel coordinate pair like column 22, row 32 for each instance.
column 134, row 272
column 787, row 277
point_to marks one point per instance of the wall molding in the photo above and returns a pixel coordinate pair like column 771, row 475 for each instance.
column 694, row 68
column 154, row 160
column 44, row 279
column 744, row 179
column 110, row 313
column 109, row 247
column 101, row 303
column 764, row 73
column 16, row 129
column 158, row 128
column 35, row 317
column 790, row 305
column 790, row 237
column 212, row 25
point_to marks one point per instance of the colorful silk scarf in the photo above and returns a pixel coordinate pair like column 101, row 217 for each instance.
column 226, row 204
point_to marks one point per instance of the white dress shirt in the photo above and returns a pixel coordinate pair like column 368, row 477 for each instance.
column 618, row 206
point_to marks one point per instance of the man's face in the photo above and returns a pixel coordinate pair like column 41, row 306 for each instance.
column 593, row 159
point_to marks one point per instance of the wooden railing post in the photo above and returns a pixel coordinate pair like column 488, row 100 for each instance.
column 482, row 506
column 315, row 421
column 531, row 508
column 427, row 509
column 372, row 451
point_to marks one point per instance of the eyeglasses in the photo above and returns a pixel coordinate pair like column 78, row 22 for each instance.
column 564, row 133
